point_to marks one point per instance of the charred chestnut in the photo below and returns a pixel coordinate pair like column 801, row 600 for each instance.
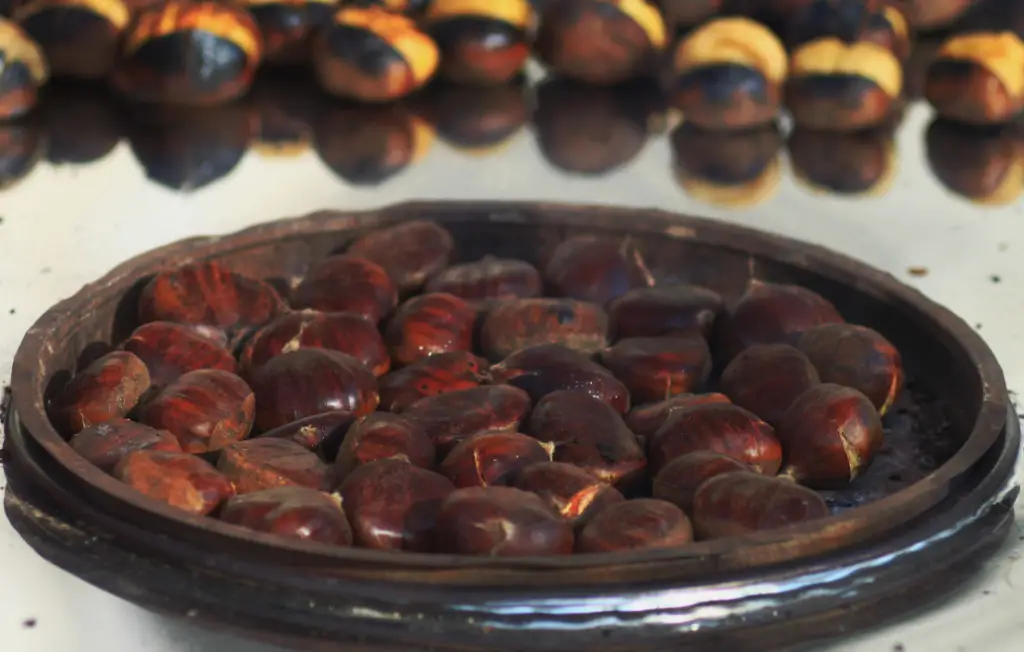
column 80, row 38
column 522, row 323
column 729, row 169
column 288, row 26
column 437, row 374
column 380, row 436
column 347, row 284
column 189, row 52
column 321, row 432
column 106, row 390
column 293, row 512
column 767, row 378
column 481, row 41
column 493, row 458
column 733, row 504
column 24, row 72
column 861, row 163
column 982, row 165
column 640, row 524
column 645, row 420
column 410, row 252
column 978, row 78
column 489, row 280
column 678, row 481
column 267, row 463
column 178, row 479
column 430, row 324
column 571, row 491
column 687, row 13
column 596, row 269
column 373, row 55
column 455, row 416
column 106, row 443
column 170, row 350
column 664, row 310
column 657, row 368
column 476, row 120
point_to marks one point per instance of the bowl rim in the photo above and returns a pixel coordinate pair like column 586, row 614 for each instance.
column 839, row 531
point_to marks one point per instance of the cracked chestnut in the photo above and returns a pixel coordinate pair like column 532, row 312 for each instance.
column 733, row 504
column 452, row 417
column 492, row 458
column 322, row 433
column 978, row 78
column 430, row 324
column 80, row 38
column 293, row 512
column 641, row 524
column 178, row 479
column 662, row 310
column 106, row 443
column 288, row 26
column 347, row 284
column 719, row 428
column 596, row 269
column 380, row 436
column 860, row 163
column 437, row 374
column 170, row 350
column 266, row 463
column 480, row 41
column 644, row 420
column 678, row 481
column 410, row 252
column 767, row 378
column 24, row 72
column 485, row 282
column 658, row 368
column 523, row 323
column 571, row 491
column 108, row 389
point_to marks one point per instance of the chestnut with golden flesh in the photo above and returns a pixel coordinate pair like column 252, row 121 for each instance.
column 293, row 512
column 859, row 163
column 430, row 324
column 522, row 323
column 322, row 433
column 106, row 390
column 476, row 120
column 489, row 280
column 644, row 420
column 266, row 463
column 737, row 503
column 731, row 169
column 80, row 38
column 571, row 491
column 410, row 252
column 170, row 350
column 480, row 41
column 678, row 481
column 978, row 78
column 455, row 416
column 347, row 284
column 982, row 164
column 437, row 374
column 493, row 458
column 394, row 505
column 500, row 522
column 767, row 378
column 642, row 524
column 24, row 72
column 106, row 443
column 664, row 309
column 831, row 434
column 178, row 479
column 658, row 368
column 288, row 26
column 596, row 269
column 380, row 436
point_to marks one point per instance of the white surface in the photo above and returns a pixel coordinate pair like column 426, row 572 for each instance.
column 63, row 227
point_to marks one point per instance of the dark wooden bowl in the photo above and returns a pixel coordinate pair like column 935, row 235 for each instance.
column 926, row 514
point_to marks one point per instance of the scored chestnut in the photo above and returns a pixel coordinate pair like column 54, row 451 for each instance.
column 347, row 284
column 108, row 389
column 480, row 41
column 485, row 282
column 169, row 350
column 641, row 524
column 644, row 420
column 737, row 503
column 767, row 378
column 455, row 416
column 657, row 368
column 664, row 309
column 322, row 433
column 678, row 481
column 410, row 252
column 106, row 443
column 978, row 78
column 521, row 323
column 981, row 164
column 80, row 38
column 436, row 374
column 859, row 163
column 596, row 269
column 571, row 491
column 178, row 479
column 493, row 458
column 24, row 72
column 293, row 512
column 430, row 324
column 266, row 463
column 727, row 168
column 380, row 436
column 288, row 26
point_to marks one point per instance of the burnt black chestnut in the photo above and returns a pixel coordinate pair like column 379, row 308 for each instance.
column 80, row 38
column 24, row 72
column 481, row 41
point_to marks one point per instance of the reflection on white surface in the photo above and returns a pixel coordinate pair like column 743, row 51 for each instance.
column 63, row 227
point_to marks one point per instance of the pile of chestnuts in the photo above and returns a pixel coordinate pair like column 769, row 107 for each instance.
column 398, row 397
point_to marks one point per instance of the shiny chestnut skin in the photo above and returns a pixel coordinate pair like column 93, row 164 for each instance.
column 644, row 420
column 601, row 41
column 571, row 491
column 492, row 458
column 266, row 463
column 170, row 350
column 720, row 428
column 80, row 38
column 678, row 481
column 322, row 432
column 728, row 75
column 293, row 512
column 348, row 332
column 22, row 145
column 393, row 505
column 500, row 522
column 860, row 163
column 476, row 120
column 288, row 26
column 25, row 71
column 306, row 382
column 410, row 252
column 380, row 436
column 978, row 78
column 188, row 52
column 830, row 434
column 205, row 409
column 657, row 368
column 437, row 374
column 596, row 269
column 546, row 368
column 640, row 524
column 455, row 416
column 178, row 479
column 732, row 169
column 521, row 323
column 489, row 280
column 590, row 434
column 687, row 13
column 106, row 443
column 347, row 284
column 372, row 55
column 480, row 41
column 767, row 378
column 931, row 15
column 664, row 309
column 733, row 504
column 429, row 324
column 108, row 389
column 981, row 164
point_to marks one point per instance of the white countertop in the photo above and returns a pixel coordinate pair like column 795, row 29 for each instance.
column 64, row 226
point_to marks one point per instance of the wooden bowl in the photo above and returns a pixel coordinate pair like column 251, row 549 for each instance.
column 926, row 514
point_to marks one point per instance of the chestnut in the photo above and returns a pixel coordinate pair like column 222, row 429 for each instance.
column 293, row 512
column 476, row 120
column 80, row 38
column 687, row 13
column 82, row 123
column 205, row 409
column 860, row 163
column 22, row 146
column 644, row 420
column 858, row 357
column 373, row 55
column 429, row 324
column 454, row 416
column 830, row 434
column 601, row 41
column 663, row 310
column 380, row 436
column 720, row 428
column 678, row 481
column 641, row 524
column 545, row 368
column 737, row 503
column 500, row 522
column 405, row 7
column 306, row 382
column 393, row 505
column 493, row 458
column 489, row 280
column 321, row 432
column 170, row 350
column 728, row 75
column 889, row 26
column 978, row 163
column 107, row 389
column 657, row 368
column 571, row 491
column 978, row 78
column 800, row 21
column 24, row 72
column 347, row 284
column 767, row 378
column 348, row 332
column 193, row 52
column 267, row 463
column 410, row 252
column 480, row 41
column 106, row 443
column 287, row 26
column 521, row 323
column 931, row 15
column 726, row 168
column 437, row 374
column 589, row 434
column 178, row 479
column 596, row 269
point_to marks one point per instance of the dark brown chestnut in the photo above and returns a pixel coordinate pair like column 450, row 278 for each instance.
column 493, row 458
column 664, row 309
column 25, row 71
column 80, row 38
column 978, row 78
column 410, row 252
column 861, row 163
column 107, row 389
column 106, row 443
column 644, row 420
column 889, row 26
column 267, row 463
column 720, row 428
column 678, row 481
column 170, row 350
column 306, row 382
column 347, row 284
column 737, row 503
column 981, row 164
column 802, row 20
column 293, row 512
column 489, row 280
column 455, row 416
column 501, row 522
column 288, row 26
column 641, row 524
column 830, row 434
column 178, row 479
column 732, row 169
column 437, row 374
column 430, row 324
column 658, row 368
column 522, row 323
column 687, row 13
column 767, row 378
column 480, row 41
column 571, row 491
column 322, row 433
column 393, row 505
column 380, row 436
column 596, row 269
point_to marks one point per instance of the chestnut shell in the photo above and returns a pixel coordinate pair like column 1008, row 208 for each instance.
column 640, row 524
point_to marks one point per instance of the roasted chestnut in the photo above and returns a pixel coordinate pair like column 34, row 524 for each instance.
column 641, row 524
column 267, row 463
column 170, row 350
column 500, row 522
column 657, row 368
column 493, row 458
column 178, row 479
column 732, row 169
column 930, row 15
column 481, row 41
column 800, row 21
column 22, row 146
column 678, row 481
column 373, row 55
column 437, row 374
column 767, row 378
column 80, row 38
column 601, row 41
column 982, row 164
column 321, row 432
column 830, row 434
column 728, row 75
column 521, row 323
column 347, row 284
column 455, row 416
column 889, row 26
column 664, row 310
column 293, row 512
column 687, row 13
column 488, row 281
column 430, row 324
column 571, row 491
column 733, row 504
column 859, row 163
column 106, row 443
column 645, row 420
column 380, row 436
column 106, row 390
column 978, row 78
column 24, row 72
column 407, row 7
column 82, row 123
column 196, row 52
column 410, row 252
column 288, row 26
column 596, row 269
column 476, row 120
